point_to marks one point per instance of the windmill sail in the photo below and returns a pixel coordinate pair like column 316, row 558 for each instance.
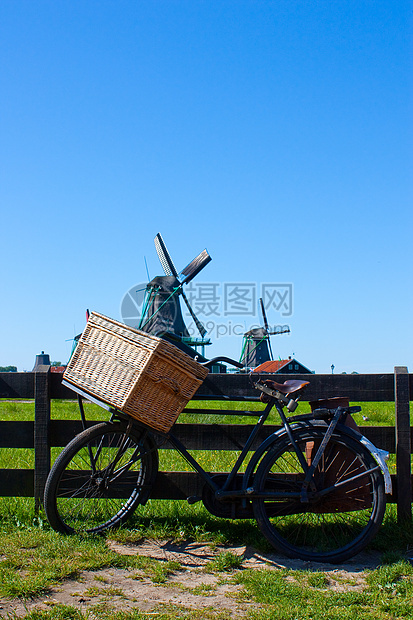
column 195, row 266
column 190, row 271
column 162, row 313
column 164, row 257
column 264, row 316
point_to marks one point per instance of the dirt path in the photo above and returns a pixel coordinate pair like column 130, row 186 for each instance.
column 191, row 587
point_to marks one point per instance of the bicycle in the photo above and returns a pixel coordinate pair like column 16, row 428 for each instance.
column 315, row 487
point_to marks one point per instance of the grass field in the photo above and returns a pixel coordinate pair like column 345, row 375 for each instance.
column 33, row 557
column 378, row 413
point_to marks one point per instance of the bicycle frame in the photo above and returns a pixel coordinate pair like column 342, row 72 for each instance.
column 208, row 479
column 220, row 491
column 248, row 492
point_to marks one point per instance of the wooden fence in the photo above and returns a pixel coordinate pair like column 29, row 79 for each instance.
column 44, row 433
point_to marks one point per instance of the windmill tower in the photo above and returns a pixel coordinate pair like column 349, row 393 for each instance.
column 161, row 313
column 256, row 347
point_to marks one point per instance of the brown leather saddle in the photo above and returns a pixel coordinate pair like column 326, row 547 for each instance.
column 260, row 375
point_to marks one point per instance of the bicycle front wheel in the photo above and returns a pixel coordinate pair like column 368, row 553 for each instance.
column 100, row 478
column 345, row 503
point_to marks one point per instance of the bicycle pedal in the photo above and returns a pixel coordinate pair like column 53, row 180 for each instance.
column 193, row 499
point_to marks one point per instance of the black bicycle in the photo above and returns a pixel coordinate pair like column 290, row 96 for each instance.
column 316, row 487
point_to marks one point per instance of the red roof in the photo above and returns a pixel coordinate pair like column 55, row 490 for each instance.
column 272, row 366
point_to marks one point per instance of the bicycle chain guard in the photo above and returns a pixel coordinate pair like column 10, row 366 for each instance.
column 230, row 509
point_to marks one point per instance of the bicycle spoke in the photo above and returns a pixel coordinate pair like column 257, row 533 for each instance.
column 99, row 479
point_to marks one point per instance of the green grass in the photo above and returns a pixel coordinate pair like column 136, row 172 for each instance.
column 58, row 612
column 379, row 414
column 287, row 595
column 178, row 521
column 226, row 561
column 108, row 612
column 33, row 558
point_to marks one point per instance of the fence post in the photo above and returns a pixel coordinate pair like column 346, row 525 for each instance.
column 41, row 431
column 403, row 444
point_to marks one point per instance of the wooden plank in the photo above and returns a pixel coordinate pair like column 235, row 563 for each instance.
column 41, row 432
column 16, row 434
column 221, row 412
column 57, row 390
column 177, row 485
column 168, row 485
column 212, row 436
column 180, row 485
column 403, row 444
column 16, row 482
column 16, row 384
column 194, row 436
column 383, row 437
column 233, row 437
column 374, row 387
column 63, row 431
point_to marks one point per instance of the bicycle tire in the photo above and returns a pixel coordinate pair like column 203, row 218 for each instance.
column 100, row 478
column 334, row 527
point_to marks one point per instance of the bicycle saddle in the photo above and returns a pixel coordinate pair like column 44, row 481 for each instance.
column 260, row 375
column 288, row 387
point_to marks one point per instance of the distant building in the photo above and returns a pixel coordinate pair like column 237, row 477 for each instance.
column 285, row 367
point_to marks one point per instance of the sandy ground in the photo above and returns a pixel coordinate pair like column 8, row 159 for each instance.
column 190, row 588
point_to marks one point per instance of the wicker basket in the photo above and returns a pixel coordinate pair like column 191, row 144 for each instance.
column 139, row 374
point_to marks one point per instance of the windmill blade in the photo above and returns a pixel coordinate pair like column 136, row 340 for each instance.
column 164, row 257
column 283, row 330
column 264, row 316
column 197, row 322
column 191, row 270
column 270, row 348
column 195, row 266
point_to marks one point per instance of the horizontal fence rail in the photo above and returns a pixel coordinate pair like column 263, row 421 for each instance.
column 43, row 433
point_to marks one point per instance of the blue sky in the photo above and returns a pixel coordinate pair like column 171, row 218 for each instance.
column 277, row 134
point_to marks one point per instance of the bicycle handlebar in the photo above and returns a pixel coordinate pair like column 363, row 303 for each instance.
column 228, row 360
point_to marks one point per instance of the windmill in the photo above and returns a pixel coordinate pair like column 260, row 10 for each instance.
column 161, row 313
column 256, row 347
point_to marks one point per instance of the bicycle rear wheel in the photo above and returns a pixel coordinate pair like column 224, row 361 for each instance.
column 100, row 478
column 334, row 525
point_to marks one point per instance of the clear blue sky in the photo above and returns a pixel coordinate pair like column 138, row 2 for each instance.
column 278, row 134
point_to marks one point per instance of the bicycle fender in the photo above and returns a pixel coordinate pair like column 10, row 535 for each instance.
column 379, row 455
